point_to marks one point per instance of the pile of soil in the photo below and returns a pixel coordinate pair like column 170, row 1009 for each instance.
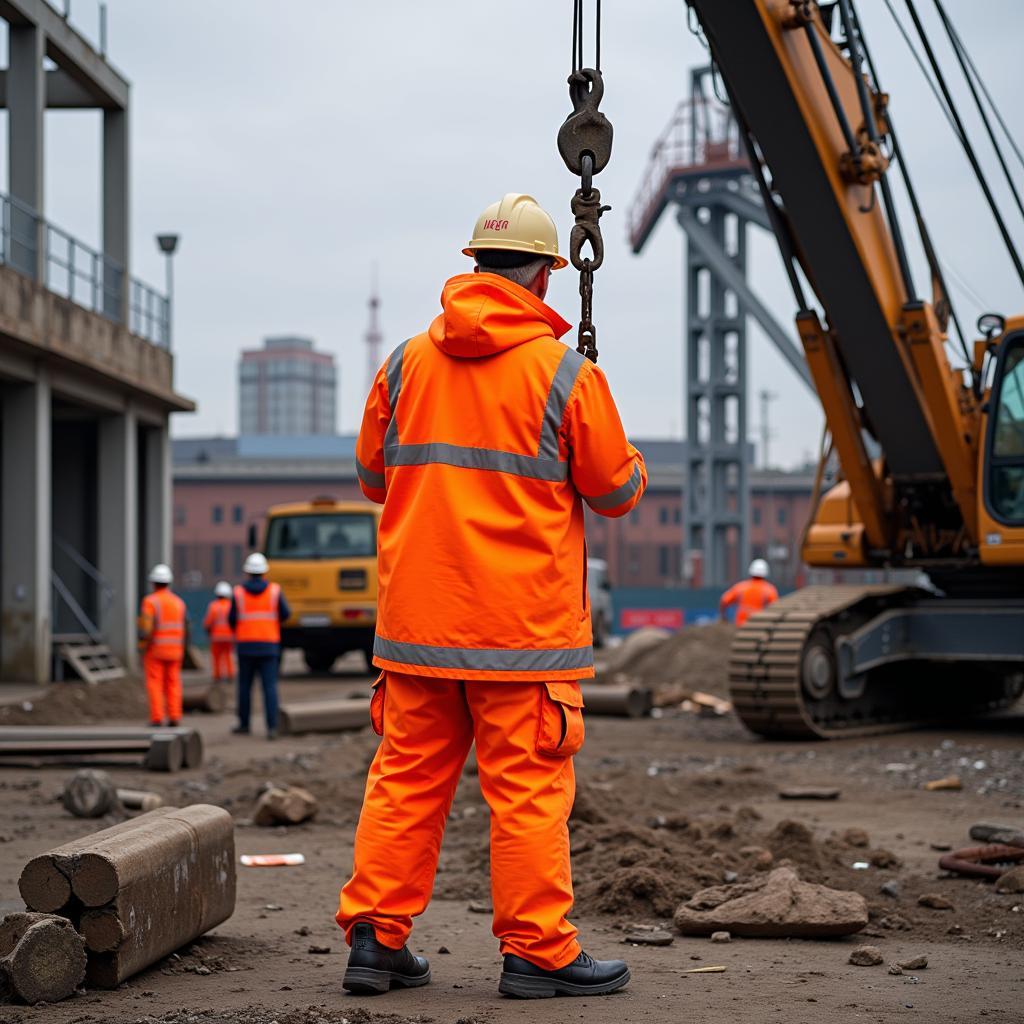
column 694, row 658
column 75, row 703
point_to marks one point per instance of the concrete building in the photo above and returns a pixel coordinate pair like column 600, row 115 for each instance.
column 287, row 388
column 219, row 490
column 86, row 375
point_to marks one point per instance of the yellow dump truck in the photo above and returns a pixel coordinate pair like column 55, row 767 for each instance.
column 323, row 553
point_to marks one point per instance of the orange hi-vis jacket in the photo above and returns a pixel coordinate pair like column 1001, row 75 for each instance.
column 749, row 596
column 216, row 621
column 257, row 618
column 482, row 438
column 162, row 625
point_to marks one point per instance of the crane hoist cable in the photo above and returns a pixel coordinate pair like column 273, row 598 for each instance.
column 968, row 148
column 585, row 144
column 960, row 51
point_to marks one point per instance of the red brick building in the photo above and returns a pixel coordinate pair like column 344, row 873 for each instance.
column 220, row 489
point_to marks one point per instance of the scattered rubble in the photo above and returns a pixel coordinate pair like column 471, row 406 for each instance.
column 933, row 901
column 779, row 904
column 721, row 937
column 650, row 937
column 284, row 805
column 809, row 793
column 917, row 963
column 866, row 956
column 950, row 782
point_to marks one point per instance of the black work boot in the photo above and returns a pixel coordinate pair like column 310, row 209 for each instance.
column 585, row 976
column 374, row 968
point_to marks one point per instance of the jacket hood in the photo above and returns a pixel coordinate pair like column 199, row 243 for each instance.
column 256, row 586
column 484, row 314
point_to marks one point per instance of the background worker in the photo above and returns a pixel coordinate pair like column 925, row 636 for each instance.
column 749, row 595
column 163, row 627
column 257, row 610
column 217, row 623
column 482, row 438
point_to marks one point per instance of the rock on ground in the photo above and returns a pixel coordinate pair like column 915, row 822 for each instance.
column 1012, row 881
column 779, row 904
column 866, row 956
column 288, row 805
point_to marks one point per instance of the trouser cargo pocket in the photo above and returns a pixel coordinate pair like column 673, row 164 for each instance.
column 377, row 704
column 560, row 733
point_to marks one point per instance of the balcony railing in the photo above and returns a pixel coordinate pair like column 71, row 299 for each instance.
column 79, row 273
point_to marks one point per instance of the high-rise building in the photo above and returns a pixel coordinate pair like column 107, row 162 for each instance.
column 287, row 388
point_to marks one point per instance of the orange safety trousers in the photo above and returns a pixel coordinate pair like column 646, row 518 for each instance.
column 221, row 656
column 525, row 736
column 163, row 685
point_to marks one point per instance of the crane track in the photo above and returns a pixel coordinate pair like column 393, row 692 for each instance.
column 766, row 663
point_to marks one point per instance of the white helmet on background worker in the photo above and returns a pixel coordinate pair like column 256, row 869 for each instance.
column 223, row 589
column 256, row 565
column 161, row 573
column 517, row 223
column 759, row 569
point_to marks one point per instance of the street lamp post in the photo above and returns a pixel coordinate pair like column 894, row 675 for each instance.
column 168, row 245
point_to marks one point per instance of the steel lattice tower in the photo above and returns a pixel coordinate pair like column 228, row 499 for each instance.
column 699, row 166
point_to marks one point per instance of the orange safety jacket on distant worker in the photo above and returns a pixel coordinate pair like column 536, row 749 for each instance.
column 162, row 626
column 257, row 615
column 749, row 596
column 216, row 623
column 486, row 434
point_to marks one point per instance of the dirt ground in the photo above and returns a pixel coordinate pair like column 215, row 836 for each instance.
column 666, row 806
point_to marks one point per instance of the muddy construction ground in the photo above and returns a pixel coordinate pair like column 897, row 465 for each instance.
column 666, row 806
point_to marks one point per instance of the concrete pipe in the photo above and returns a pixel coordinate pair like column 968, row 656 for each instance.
column 204, row 696
column 619, row 701
column 324, row 716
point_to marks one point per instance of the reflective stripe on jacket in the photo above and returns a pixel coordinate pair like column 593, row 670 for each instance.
column 749, row 596
column 257, row 615
column 482, row 438
column 166, row 638
column 216, row 621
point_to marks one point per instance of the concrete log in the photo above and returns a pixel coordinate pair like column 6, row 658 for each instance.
column 324, row 716
column 32, row 736
column 620, row 701
column 139, row 800
column 203, row 696
column 45, row 882
column 42, row 958
column 155, row 888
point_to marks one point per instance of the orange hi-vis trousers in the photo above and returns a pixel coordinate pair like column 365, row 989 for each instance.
column 525, row 736
column 163, row 685
column 221, row 656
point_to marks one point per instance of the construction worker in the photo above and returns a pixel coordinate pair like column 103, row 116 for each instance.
column 482, row 438
column 749, row 595
column 163, row 628
column 257, row 610
column 217, row 624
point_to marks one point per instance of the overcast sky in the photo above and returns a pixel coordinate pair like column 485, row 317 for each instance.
column 295, row 145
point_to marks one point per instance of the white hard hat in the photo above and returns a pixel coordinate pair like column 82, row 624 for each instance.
column 160, row 573
column 759, row 568
column 256, row 565
column 223, row 589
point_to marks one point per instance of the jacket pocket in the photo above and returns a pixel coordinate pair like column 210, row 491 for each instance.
column 377, row 704
column 560, row 733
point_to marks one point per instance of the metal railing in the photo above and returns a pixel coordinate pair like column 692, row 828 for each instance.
column 94, row 590
column 701, row 136
column 79, row 273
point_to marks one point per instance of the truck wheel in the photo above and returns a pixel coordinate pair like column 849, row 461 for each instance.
column 319, row 660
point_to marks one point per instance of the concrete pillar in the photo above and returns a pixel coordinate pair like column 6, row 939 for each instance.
column 118, row 547
column 26, row 103
column 25, row 591
column 116, row 213
column 157, row 527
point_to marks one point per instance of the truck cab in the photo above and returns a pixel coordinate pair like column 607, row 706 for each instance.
column 323, row 553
